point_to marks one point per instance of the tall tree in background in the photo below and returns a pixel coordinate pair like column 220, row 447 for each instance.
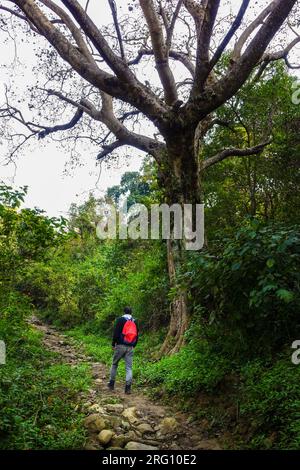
column 112, row 94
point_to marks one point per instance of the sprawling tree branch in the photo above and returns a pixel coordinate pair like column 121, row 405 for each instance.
column 117, row 65
column 250, row 29
column 176, row 55
column 62, row 127
column 171, row 27
column 282, row 54
column 215, row 95
column 203, row 43
column 116, row 127
column 132, row 92
column 114, row 13
column 233, row 152
column 79, row 41
column 71, row 26
column 234, row 27
column 160, row 51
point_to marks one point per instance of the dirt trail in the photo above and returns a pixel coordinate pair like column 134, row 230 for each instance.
column 118, row 421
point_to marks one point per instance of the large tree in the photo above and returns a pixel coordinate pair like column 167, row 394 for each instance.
column 183, row 41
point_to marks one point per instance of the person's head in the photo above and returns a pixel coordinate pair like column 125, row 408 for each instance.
column 127, row 310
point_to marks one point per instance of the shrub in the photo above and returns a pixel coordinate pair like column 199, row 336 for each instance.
column 271, row 404
column 250, row 291
column 188, row 372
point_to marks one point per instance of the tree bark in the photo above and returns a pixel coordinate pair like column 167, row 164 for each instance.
column 181, row 183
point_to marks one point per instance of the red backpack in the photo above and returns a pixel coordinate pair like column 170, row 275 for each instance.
column 129, row 332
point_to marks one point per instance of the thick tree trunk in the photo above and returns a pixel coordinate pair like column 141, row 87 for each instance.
column 179, row 318
column 181, row 183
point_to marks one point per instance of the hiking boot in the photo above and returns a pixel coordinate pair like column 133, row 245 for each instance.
column 128, row 389
column 111, row 385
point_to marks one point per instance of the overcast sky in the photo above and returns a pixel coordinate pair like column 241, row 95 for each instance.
column 43, row 168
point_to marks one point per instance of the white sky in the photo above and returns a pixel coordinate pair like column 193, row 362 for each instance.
column 42, row 167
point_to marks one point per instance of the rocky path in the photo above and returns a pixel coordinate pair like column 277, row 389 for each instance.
column 118, row 421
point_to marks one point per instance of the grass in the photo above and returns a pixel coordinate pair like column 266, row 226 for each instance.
column 267, row 393
column 184, row 373
column 38, row 399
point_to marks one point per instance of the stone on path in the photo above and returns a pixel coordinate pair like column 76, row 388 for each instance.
column 139, row 446
column 105, row 436
column 130, row 436
column 96, row 408
column 125, row 425
column 114, row 408
column 118, row 441
column 168, row 426
column 144, row 428
column 94, row 423
column 130, row 414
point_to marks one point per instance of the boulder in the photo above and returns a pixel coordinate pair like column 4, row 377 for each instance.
column 105, row 436
column 130, row 414
column 130, row 436
column 145, row 428
column 118, row 441
column 125, row 425
column 113, row 421
column 115, row 408
column 96, row 408
column 139, row 446
column 94, row 423
column 168, row 426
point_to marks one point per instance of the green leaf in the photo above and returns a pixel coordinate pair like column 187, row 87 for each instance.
column 236, row 266
column 270, row 262
column 285, row 295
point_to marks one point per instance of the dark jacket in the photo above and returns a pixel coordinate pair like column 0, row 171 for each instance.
column 118, row 338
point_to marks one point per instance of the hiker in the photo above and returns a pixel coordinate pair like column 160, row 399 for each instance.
column 125, row 338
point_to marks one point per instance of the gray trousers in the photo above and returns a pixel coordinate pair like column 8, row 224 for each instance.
column 126, row 352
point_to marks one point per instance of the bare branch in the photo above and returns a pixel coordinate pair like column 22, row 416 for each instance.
column 62, row 127
column 71, row 26
column 196, row 10
column 136, row 94
column 234, row 152
column 283, row 54
column 160, row 51
column 250, row 29
column 234, row 27
column 203, row 43
column 14, row 13
column 19, row 16
column 118, row 66
column 172, row 24
column 108, row 149
column 176, row 55
column 106, row 116
column 217, row 94
column 113, row 8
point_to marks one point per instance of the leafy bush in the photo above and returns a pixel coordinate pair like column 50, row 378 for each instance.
column 271, row 404
column 250, row 291
column 188, row 372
